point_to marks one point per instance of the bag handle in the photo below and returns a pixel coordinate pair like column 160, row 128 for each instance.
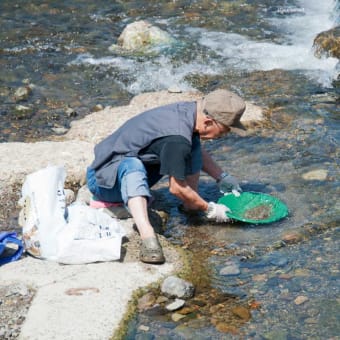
column 10, row 237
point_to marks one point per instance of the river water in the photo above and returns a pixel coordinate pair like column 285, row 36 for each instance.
column 259, row 49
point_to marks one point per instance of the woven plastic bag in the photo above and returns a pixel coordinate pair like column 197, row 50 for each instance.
column 71, row 235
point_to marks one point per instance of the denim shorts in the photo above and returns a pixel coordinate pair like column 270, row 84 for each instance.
column 133, row 178
column 131, row 182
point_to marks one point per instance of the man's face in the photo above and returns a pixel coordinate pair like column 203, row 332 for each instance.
column 213, row 129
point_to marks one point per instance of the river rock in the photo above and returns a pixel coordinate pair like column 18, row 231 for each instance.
column 22, row 93
column 300, row 300
column 146, row 301
column 23, row 112
column 315, row 175
column 242, row 312
column 140, row 35
column 328, row 43
column 176, row 317
column 173, row 286
column 291, row 238
column 177, row 304
column 230, row 269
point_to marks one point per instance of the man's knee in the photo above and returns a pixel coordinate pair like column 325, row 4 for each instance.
column 134, row 181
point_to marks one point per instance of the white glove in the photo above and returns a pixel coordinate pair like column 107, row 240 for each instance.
column 217, row 212
column 228, row 183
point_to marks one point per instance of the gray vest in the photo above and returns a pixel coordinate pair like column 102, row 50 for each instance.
column 137, row 133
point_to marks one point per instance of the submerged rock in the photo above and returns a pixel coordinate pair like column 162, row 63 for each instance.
column 22, row 93
column 316, row 175
column 230, row 269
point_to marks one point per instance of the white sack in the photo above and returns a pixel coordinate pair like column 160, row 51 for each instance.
column 73, row 235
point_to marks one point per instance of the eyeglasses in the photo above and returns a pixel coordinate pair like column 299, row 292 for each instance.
column 223, row 129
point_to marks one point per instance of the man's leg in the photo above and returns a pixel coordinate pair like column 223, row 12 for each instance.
column 138, row 209
column 193, row 180
column 135, row 194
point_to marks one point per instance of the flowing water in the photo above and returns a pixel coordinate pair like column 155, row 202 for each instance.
column 263, row 51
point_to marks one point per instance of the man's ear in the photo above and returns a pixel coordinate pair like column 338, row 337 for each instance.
column 208, row 121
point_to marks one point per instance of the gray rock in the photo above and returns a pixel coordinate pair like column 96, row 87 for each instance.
column 174, row 286
column 140, row 34
column 230, row 269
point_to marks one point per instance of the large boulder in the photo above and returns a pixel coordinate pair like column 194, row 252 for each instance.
column 328, row 43
column 140, row 36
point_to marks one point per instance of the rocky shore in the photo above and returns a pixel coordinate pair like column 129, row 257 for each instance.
column 45, row 300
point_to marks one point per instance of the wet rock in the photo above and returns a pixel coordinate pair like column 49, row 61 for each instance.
column 230, row 269
column 146, row 301
column 260, row 277
column 311, row 321
column 177, row 304
column 155, row 310
column 188, row 310
column 162, row 299
column 225, row 328
column 22, row 112
column 242, row 312
column 285, row 276
column 316, row 175
column 277, row 260
column 141, row 34
column 22, row 93
column 173, row 286
column 176, row 317
column 276, row 335
column 328, row 43
column 143, row 328
column 59, row 130
column 301, row 299
column 292, row 238
column 97, row 107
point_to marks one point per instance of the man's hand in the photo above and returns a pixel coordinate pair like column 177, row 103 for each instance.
column 228, row 183
column 217, row 212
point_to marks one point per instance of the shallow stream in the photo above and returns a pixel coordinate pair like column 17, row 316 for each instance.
column 263, row 51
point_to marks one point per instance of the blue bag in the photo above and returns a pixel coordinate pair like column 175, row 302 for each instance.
column 10, row 237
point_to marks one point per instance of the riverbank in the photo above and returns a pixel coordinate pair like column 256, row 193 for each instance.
column 83, row 301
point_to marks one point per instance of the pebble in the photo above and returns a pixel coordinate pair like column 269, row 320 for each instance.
column 59, row 130
column 22, row 93
column 300, row 300
column 291, row 238
column 242, row 312
column 144, row 328
column 225, row 328
column 146, row 301
column 97, row 107
column 177, row 304
column 316, row 175
column 176, row 317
